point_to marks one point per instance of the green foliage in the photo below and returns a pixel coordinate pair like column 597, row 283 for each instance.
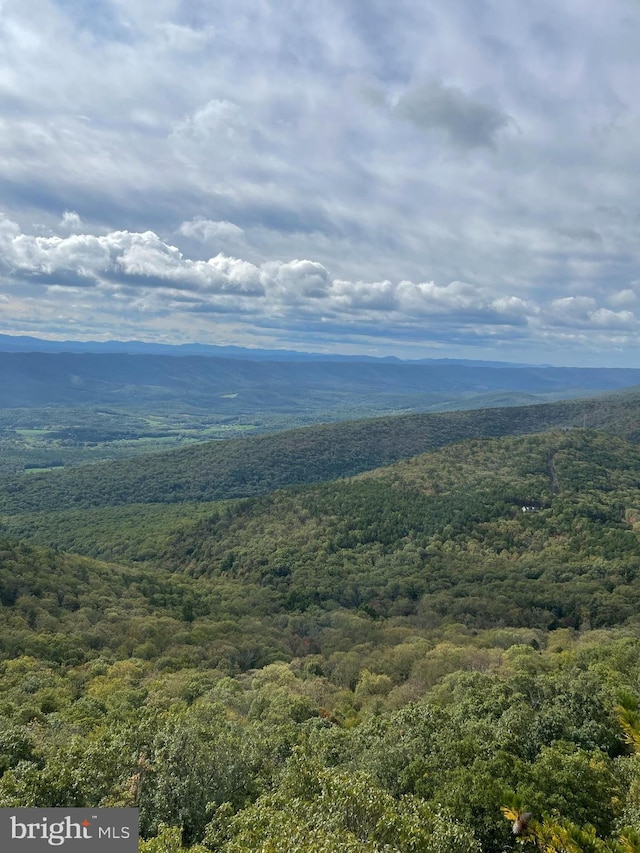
column 168, row 840
column 258, row 464
column 376, row 664
column 439, row 538
column 324, row 809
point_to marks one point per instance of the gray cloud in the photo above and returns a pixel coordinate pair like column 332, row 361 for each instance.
column 467, row 122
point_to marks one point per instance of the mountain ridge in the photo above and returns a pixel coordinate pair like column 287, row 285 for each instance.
column 37, row 379
column 258, row 464
column 26, row 343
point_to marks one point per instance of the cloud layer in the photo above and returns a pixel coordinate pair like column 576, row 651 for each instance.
column 126, row 280
column 463, row 176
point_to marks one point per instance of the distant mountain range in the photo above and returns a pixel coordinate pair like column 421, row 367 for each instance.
column 241, row 386
column 23, row 343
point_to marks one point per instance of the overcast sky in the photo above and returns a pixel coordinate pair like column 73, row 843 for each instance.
column 451, row 178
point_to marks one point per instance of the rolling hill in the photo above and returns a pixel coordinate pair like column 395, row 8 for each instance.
column 440, row 536
column 257, row 464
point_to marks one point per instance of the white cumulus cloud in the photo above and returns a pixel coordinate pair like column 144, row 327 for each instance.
column 211, row 232
column 125, row 273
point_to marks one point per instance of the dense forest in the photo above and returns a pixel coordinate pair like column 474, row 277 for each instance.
column 217, row 470
column 416, row 657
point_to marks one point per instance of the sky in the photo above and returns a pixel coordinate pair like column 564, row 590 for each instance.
column 457, row 178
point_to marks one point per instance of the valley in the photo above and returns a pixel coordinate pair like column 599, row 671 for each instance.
column 61, row 409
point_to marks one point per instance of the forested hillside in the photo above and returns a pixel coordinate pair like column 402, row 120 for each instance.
column 392, row 661
column 259, row 464
column 438, row 537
